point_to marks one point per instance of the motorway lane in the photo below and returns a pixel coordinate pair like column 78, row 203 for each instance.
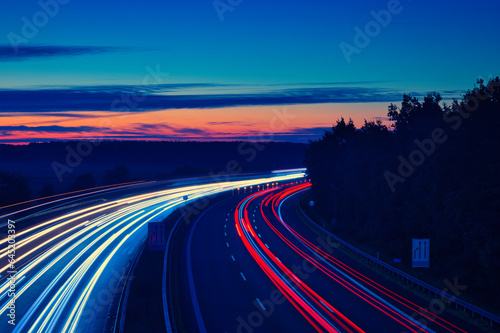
column 370, row 320
column 227, row 289
column 61, row 203
column 65, row 283
column 290, row 216
column 76, row 277
column 337, row 309
column 55, row 204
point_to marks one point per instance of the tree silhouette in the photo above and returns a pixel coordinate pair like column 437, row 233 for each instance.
column 46, row 190
column 120, row 174
column 13, row 188
column 83, row 182
column 452, row 196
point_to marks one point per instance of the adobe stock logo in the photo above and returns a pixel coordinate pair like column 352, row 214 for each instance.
column 427, row 147
column 30, row 28
column 223, row 6
column 372, row 29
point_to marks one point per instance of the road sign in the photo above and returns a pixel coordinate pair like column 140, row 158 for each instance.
column 420, row 252
column 156, row 236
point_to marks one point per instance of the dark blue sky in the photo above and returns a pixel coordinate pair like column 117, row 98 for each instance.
column 249, row 47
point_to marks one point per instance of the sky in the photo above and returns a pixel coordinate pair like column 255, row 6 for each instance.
column 230, row 69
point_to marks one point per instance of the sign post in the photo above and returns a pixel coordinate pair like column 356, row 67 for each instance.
column 420, row 255
column 156, row 236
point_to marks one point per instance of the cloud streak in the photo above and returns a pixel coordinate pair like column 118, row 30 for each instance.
column 139, row 131
column 121, row 98
column 51, row 129
column 141, row 128
column 8, row 53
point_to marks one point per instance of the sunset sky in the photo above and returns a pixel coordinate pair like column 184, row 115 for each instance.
column 229, row 69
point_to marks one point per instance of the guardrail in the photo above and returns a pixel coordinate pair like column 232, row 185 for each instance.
column 445, row 297
column 119, row 323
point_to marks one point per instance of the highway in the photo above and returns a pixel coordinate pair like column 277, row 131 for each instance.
column 251, row 264
column 72, row 253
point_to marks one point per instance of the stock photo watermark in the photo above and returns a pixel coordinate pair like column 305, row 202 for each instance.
column 265, row 308
column 31, row 26
column 105, row 296
column 124, row 104
column 249, row 151
column 438, row 305
column 372, row 29
column 11, row 271
column 223, row 6
column 427, row 147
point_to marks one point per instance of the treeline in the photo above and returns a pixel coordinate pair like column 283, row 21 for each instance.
column 42, row 169
column 435, row 174
column 15, row 188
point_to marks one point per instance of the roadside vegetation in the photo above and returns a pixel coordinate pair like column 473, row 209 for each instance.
column 435, row 174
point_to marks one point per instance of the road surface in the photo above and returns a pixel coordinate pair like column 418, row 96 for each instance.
column 70, row 262
column 251, row 264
